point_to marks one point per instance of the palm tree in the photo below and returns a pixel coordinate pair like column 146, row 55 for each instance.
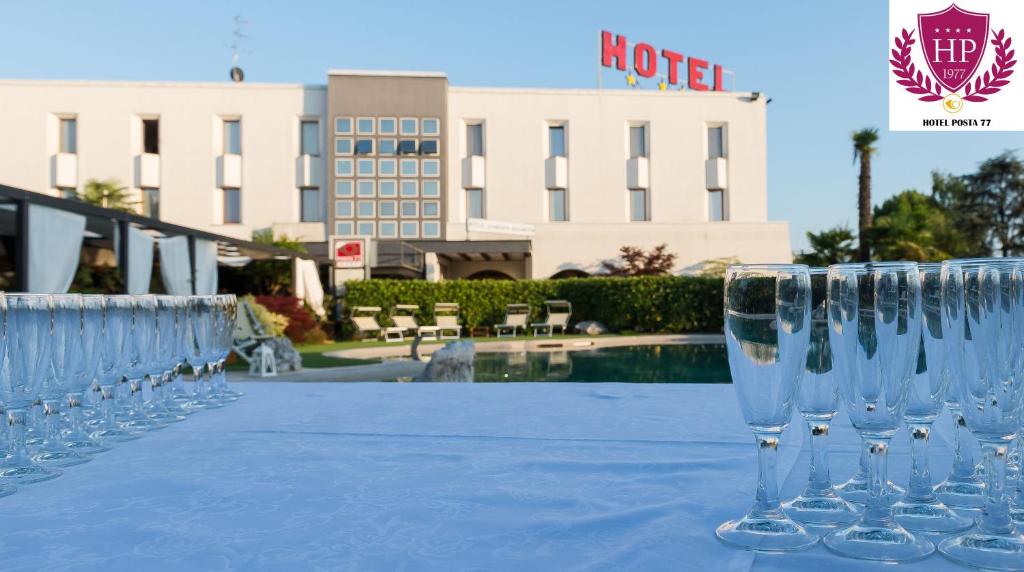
column 863, row 148
column 108, row 193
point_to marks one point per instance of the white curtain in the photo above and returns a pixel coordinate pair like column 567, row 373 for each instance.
column 54, row 247
column 140, row 258
column 175, row 266
column 206, row 267
column 308, row 287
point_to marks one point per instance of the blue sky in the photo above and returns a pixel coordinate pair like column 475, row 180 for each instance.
column 823, row 63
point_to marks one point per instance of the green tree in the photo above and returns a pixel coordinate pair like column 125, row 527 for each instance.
column 863, row 149
column 108, row 193
column 913, row 226
column 830, row 246
column 968, row 230
column 272, row 277
column 636, row 262
column 997, row 190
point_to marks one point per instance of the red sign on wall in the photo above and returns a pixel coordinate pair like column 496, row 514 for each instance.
column 349, row 253
column 647, row 63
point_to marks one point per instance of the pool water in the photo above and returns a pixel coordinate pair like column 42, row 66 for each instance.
column 689, row 363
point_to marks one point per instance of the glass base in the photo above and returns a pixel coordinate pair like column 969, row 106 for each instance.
column 113, row 434
column 855, row 490
column 988, row 551
column 25, row 472
column 85, row 445
column 961, row 494
column 60, row 458
column 768, row 533
column 886, row 544
column 821, row 510
column 929, row 517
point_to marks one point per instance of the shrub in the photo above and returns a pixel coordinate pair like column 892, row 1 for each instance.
column 273, row 324
column 676, row 304
column 301, row 325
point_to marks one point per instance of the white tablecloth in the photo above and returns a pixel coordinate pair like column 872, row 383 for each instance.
column 379, row 476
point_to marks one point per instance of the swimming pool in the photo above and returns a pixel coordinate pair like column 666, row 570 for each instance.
column 686, row 363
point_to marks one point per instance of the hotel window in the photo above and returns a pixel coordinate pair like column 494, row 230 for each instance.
column 387, row 188
column 366, row 167
column 343, row 228
column 232, row 137
column 431, row 168
column 431, row 229
column 387, row 167
column 365, row 188
column 68, row 193
column 343, row 146
column 309, row 204
column 364, row 146
column 343, row 125
column 151, row 203
column 388, row 229
column 309, row 137
column 388, row 209
column 407, row 125
column 431, row 189
column 474, row 139
column 151, row 136
column 387, row 146
column 431, row 126
column 343, row 209
column 431, row 209
column 386, row 126
column 716, row 142
column 407, row 147
column 428, row 147
column 716, row 205
column 68, row 135
column 556, row 205
column 474, row 203
column 409, row 167
column 637, row 141
column 343, row 167
column 410, row 209
column 365, row 229
column 556, row 141
column 343, row 188
column 364, row 126
column 410, row 188
column 232, row 211
column 366, row 209
column 410, row 229
column 638, row 205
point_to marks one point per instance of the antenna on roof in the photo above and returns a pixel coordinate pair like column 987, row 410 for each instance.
column 237, row 75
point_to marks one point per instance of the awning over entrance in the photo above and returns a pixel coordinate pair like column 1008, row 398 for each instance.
column 476, row 250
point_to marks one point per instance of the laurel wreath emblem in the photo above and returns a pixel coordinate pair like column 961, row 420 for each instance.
column 920, row 83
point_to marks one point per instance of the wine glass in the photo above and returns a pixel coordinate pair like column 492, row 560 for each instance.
column 6, row 488
column 30, row 328
column 65, row 353
column 817, row 399
column 203, row 324
column 921, row 509
column 114, row 358
column 227, row 340
column 874, row 317
column 141, row 347
column 75, row 437
column 767, row 332
column 981, row 307
column 177, row 395
column 163, row 360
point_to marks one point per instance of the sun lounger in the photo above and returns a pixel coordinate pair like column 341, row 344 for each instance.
column 559, row 312
column 516, row 316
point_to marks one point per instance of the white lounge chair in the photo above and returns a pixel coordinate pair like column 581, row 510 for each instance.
column 404, row 317
column 559, row 312
column 365, row 320
column 516, row 316
column 446, row 317
column 248, row 334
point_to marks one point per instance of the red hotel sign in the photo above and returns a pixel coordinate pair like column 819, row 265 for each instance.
column 614, row 50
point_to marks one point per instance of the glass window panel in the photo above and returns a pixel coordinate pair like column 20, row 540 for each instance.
column 431, row 209
column 343, row 146
column 151, row 136
column 365, row 188
column 365, row 229
column 364, row 126
column 431, row 188
column 68, row 135
column 310, row 205
column 343, row 167
column 343, row 125
column 366, row 167
column 407, row 147
column 474, row 139
column 410, row 209
column 232, row 206
column 716, row 205
column 431, row 126
column 343, row 188
column 364, row 147
column 387, row 146
column 408, row 126
column 428, row 147
column 637, row 141
column 474, row 203
column 556, row 205
column 343, row 228
column 431, row 229
column 387, row 188
column 410, row 188
column 387, row 126
column 386, row 167
column 310, row 138
column 365, row 209
column 388, row 229
column 410, row 229
column 716, row 142
column 388, row 209
column 638, row 205
column 556, row 140
column 343, row 209
column 431, row 168
column 232, row 137
column 151, row 203
column 409, row 167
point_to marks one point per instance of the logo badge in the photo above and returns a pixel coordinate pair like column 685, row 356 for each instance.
column 954, row 42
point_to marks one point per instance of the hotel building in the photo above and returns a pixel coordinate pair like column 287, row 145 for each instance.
column 445, row 181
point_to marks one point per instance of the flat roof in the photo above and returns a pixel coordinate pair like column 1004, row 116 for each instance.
column 387, row 73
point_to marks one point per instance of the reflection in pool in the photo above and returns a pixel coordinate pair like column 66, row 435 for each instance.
column 689, row 363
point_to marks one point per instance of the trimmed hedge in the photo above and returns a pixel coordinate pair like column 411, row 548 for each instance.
column 676, row 304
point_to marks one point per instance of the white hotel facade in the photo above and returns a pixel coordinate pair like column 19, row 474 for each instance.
column 523, row 183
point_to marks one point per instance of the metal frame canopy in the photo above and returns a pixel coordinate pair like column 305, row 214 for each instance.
column 98, row 217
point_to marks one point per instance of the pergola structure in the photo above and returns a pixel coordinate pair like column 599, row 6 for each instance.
column 99, row 231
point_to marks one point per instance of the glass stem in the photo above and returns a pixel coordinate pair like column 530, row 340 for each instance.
column 819, row 482
column 51, row 420
column 920, row 487
column 767, row 499
column 135, row 395
column 963, row 457
column 995, row 514
column 877, row 511
column 107, row 396
column 75, row 413
column 16, row 427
